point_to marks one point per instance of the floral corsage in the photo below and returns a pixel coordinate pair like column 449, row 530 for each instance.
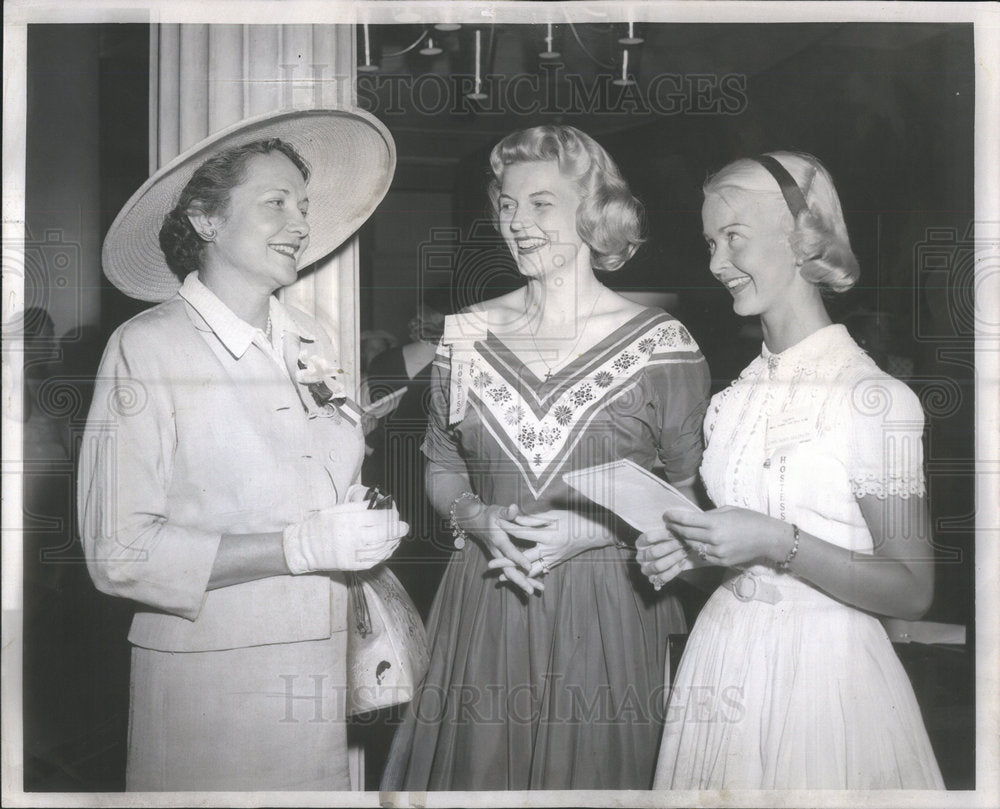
column 322, row 380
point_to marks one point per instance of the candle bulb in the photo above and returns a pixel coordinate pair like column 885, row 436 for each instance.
column 478, row 94
column 631, row 39
column 624, row 80
column 549, row 53
column 430, row 49
column 367, row 67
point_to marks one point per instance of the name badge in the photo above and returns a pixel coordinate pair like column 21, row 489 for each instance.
column 463, row 367
column 461, row 331
column 789, row 428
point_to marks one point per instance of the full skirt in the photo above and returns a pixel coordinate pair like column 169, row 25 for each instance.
column 804, row 693
column 563, row 690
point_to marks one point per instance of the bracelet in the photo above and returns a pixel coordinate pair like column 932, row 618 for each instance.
column 457, row 531
column 795, row 548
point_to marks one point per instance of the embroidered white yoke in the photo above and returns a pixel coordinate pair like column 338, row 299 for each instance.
column 638, row 393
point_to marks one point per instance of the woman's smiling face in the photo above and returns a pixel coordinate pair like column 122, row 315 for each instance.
column 536, row 210
column 264, row 232
column 747, row 235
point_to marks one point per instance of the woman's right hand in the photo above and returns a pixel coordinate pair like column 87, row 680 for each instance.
column 349, row 536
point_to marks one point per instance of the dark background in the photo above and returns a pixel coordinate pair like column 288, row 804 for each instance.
column 888, row 108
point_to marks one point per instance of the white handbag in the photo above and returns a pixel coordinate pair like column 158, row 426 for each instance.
column 387, row 650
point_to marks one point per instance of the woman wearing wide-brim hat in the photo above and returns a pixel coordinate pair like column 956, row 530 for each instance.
column 218, row 475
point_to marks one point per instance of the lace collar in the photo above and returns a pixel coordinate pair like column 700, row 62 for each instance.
column 825, row 347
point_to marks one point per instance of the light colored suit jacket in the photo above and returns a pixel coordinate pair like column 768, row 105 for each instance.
column 198, row 429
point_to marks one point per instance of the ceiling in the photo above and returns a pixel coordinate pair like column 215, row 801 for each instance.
column 422, row 98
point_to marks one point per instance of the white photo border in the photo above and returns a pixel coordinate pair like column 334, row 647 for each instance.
column 985, row 17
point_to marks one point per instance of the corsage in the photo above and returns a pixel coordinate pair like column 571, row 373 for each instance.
column 322, row 380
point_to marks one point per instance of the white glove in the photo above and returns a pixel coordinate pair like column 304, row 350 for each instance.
column 349, row 536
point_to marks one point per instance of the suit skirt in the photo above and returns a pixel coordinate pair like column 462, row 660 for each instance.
column 252, row 719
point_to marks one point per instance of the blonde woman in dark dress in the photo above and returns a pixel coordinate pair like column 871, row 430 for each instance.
column 550, row 678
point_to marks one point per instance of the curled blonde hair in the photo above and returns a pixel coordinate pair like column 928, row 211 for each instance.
column 819, row 237
column 609, row 219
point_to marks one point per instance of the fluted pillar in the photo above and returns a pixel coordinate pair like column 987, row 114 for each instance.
column 204, row 78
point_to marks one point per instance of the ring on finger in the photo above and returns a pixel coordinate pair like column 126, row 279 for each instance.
column 702, row 553
column 657, row 583
column 545, row 567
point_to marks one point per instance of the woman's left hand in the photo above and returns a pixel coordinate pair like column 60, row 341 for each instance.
column 558, row 535
column 662, row 556
column 730, row 536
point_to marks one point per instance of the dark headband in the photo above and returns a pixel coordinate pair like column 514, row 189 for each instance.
column 789, row 188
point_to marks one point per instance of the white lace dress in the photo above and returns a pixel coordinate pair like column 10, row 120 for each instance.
column 782, row 686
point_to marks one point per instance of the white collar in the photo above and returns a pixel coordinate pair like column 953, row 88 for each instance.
column 235, row 333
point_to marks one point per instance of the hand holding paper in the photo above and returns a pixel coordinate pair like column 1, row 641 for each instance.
column 635, row 494
column 640, row 498
column 662, row 556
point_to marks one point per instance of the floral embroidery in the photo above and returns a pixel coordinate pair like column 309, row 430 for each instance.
column 527, row 437
column 685, row 335
column 321, row 378
column 549, row 435
column 499, row 395
column 513, row 414
column 883, row 486
column 666, row 337
column 562, row 414
column 536, row 426
column 603, row 379
column 625, row 361
column 582, row 395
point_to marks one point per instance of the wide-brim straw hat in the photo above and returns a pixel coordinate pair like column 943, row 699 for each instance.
column 352, row 158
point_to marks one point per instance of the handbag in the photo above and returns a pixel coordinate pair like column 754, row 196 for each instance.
column 387, row 650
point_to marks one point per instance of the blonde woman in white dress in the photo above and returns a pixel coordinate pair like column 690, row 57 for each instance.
column 814, row 462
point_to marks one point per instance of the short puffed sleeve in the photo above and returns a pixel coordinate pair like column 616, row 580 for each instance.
column 679, row 388
column 440, row 441
column 885, row 431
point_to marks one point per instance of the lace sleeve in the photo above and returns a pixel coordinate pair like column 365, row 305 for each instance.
column 885, row 429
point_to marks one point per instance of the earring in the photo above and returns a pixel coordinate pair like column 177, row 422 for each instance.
column 208, row 234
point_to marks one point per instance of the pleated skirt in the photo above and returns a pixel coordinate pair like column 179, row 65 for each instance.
column 805, row 693
column 259, row 718
column 563, row 690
